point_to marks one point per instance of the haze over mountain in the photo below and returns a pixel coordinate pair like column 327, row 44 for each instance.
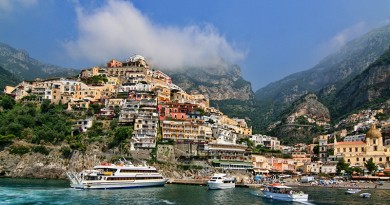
column 23, row 67
column 333, row 71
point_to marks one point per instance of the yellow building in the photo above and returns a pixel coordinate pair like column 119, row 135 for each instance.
column 356, row 153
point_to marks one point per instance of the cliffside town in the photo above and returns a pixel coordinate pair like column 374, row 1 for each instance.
column 176, row 129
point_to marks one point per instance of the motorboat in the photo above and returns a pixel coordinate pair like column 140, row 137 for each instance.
column 365, row 195
column 284, row 193
column 116, row 176
column 352, row 191
column 221, row 181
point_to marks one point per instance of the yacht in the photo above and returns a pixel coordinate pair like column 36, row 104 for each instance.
column 116, row 176
column 221, row 181
column 284, row 193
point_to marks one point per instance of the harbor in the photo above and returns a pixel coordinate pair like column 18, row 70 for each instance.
column 40, row 191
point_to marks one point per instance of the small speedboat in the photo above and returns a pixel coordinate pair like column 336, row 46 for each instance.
column 365, row 195
column 284, row 193
column 352, row 191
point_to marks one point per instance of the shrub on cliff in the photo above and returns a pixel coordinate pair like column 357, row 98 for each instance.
column 41, row 149
column 19, row 149
column 66, row 152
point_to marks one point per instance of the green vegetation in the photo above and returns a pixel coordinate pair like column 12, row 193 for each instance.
column 341, row 165
column 47, row 123
column 189, row 167
column 6, row 78
column 35, row 124
column 97, row 79
column 6, row 102
column 66, row 152
column 41, row 149
column 7, row 138
column 370, row 166
column 121, row 135
column 19, row 149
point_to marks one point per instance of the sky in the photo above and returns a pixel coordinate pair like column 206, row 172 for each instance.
column 268, row 39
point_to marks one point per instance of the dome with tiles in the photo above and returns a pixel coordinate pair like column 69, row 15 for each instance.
column 373, row 132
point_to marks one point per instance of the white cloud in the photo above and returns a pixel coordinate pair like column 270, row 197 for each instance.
column 118, row 30
column 8, row 6
column 344, row 36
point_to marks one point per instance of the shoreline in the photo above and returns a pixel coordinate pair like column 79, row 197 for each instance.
column 346, row 185
column 203, row 182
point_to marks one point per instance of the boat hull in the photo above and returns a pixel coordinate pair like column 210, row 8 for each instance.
column 352, row 191
column 213, row 185
column 286, row 197
column 118, row 185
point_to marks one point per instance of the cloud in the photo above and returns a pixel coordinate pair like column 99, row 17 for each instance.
column 118, row 30
column 343, row 37
column 8, row 6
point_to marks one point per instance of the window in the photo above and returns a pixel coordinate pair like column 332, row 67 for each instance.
column 375, row 148
column 387, row 159
column 357, row 159
column 344, row 149
column 348, row 160
column 364, row 159
column 356, row 149
column 350, row 149
column 362, row 149
column 380, row 159
column 338, row 149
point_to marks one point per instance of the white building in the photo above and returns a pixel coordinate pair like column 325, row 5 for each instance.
column 266, row 141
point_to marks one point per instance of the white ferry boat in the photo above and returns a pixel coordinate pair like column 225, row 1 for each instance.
column 116, row 176
column 221, row 181
column 284, row 193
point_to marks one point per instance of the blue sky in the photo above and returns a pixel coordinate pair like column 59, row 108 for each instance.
column 268, row 39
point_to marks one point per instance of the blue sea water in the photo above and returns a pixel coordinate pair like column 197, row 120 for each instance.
column 40, row 191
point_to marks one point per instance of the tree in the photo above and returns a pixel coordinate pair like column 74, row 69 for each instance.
column 341, row 165
column 7, row 103
column 121, row 134
column 316, row 149
column 370, row 165
column 330, row 151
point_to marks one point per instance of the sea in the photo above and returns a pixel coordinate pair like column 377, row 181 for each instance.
column 44, row 191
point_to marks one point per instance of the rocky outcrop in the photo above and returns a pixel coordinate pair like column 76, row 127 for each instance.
column 52, row 166
column 224, row 82
column 55, row 166
column 302, row 120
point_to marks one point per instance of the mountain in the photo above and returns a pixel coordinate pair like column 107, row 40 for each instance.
column 219, row 83
column 303, row 120
column 23, row 67
column 324, row 79
column 333, row 71
column 369, row 89
column 6, row 78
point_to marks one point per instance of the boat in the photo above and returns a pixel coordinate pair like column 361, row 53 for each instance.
column 365, row 195
column 221, row 181
column 352, row 191
column 116, row 176
column 284, row 193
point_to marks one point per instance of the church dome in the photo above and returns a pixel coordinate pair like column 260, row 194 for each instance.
column 373, row 132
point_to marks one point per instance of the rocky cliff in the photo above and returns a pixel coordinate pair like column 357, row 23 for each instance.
column 54, row 165
column 369, row 88
column 333, row 71
column 219, row 83
column 302, row 121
